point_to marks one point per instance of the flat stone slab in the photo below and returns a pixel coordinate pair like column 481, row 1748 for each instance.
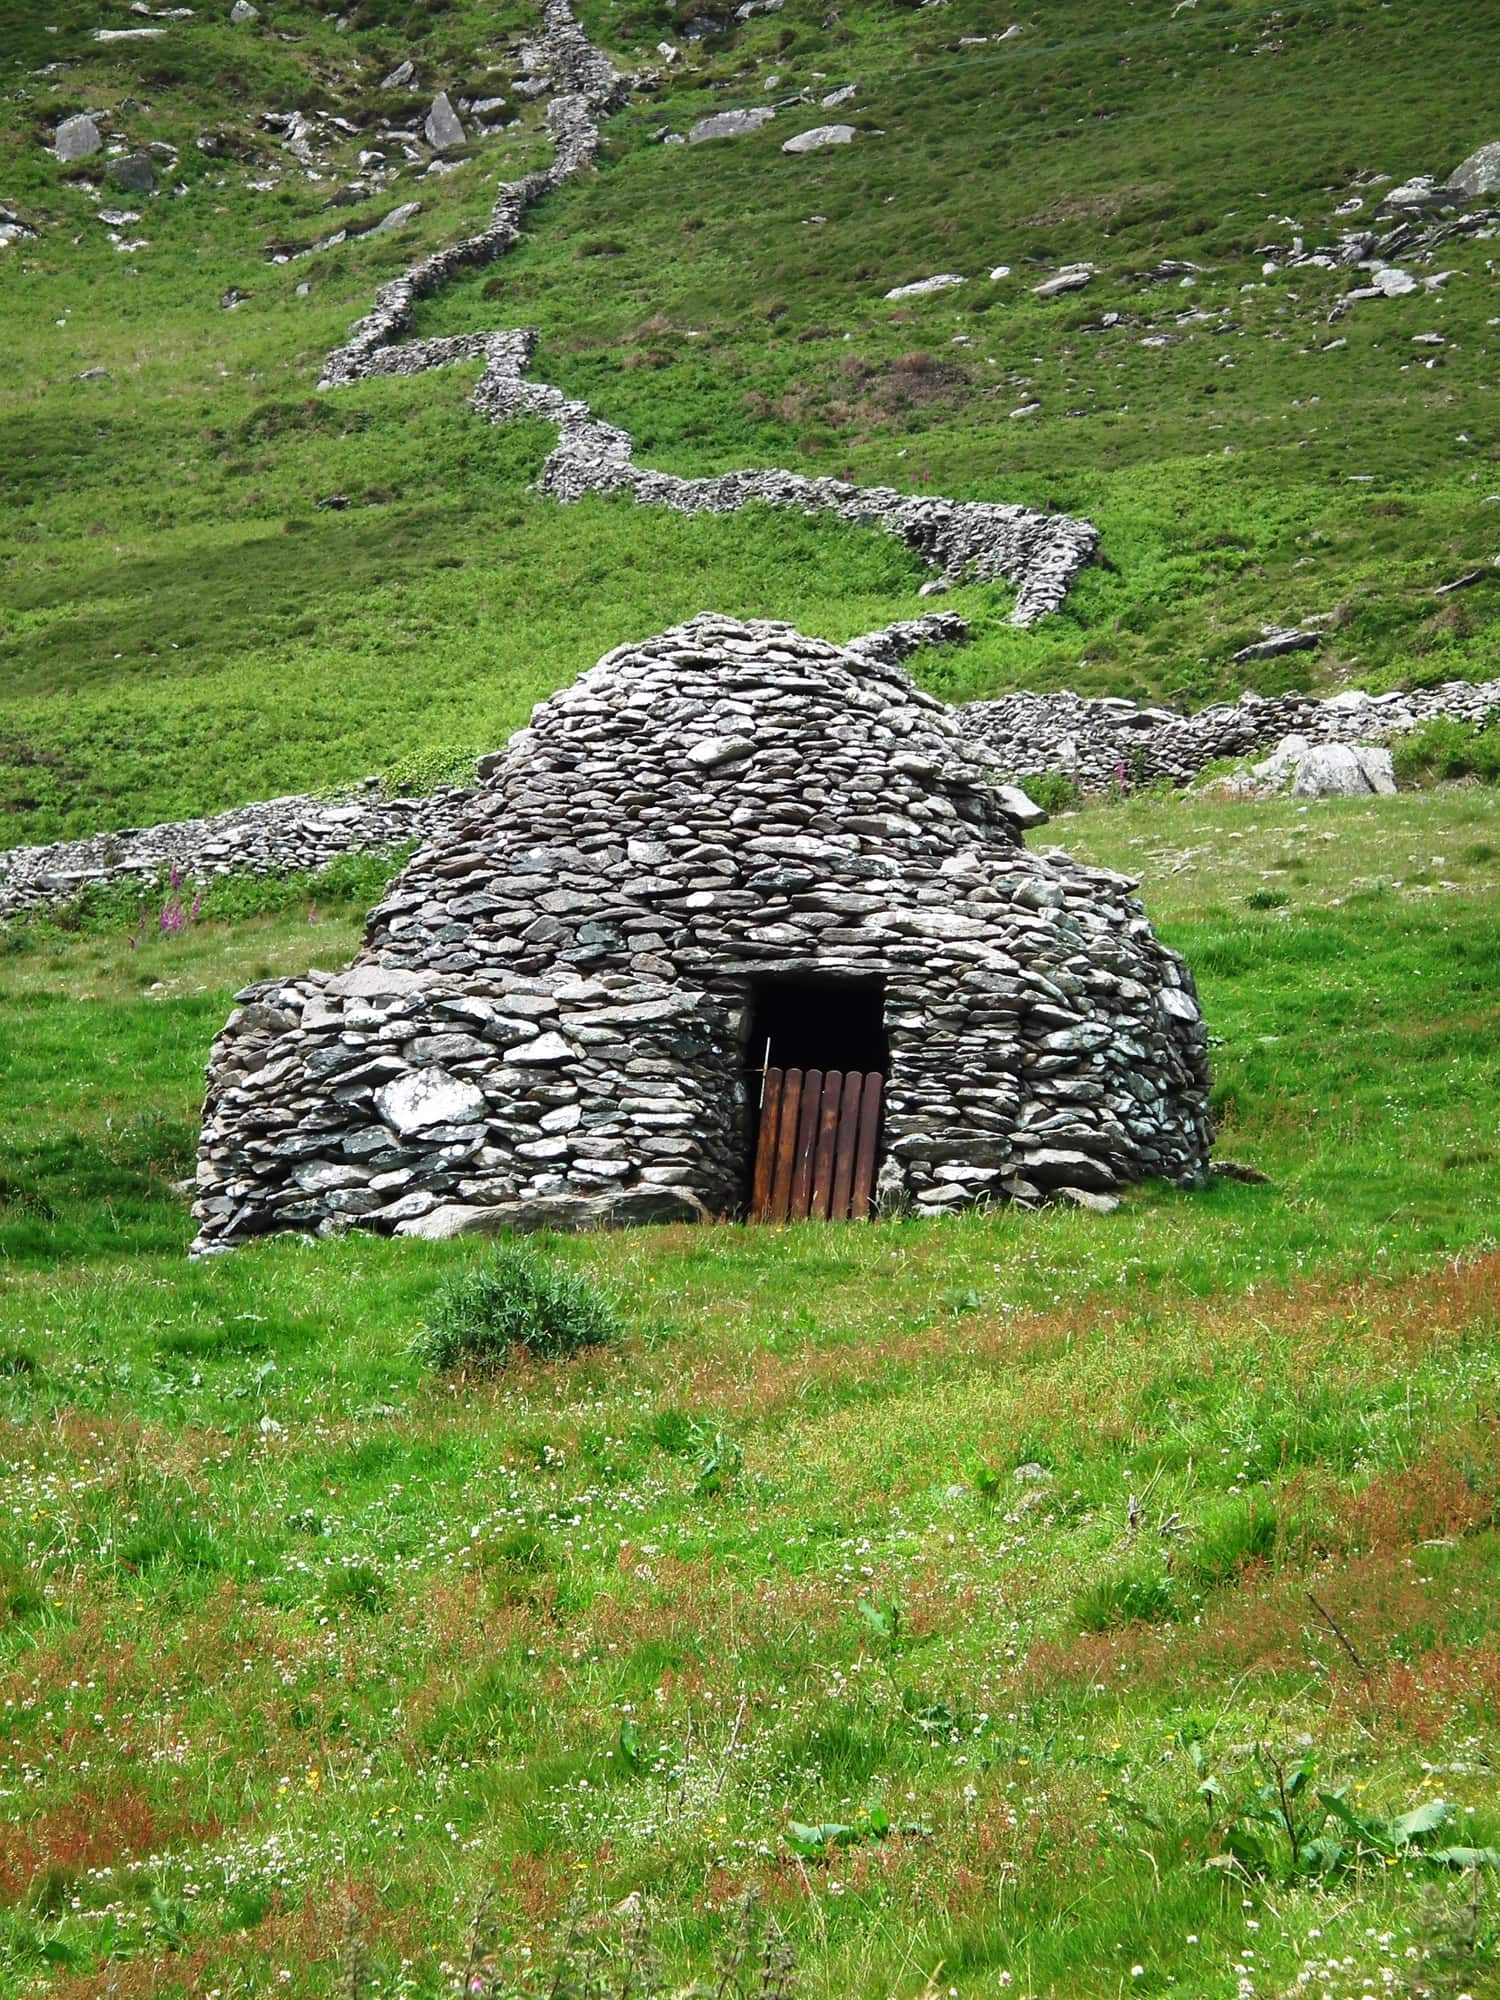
column 819, row 136
column 730, row 124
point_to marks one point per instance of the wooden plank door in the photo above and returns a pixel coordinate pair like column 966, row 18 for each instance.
column 818, row 1146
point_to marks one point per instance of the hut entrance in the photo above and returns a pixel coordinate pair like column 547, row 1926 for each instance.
column 818, row 1057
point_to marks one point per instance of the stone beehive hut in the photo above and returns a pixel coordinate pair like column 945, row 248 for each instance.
column 728, row 847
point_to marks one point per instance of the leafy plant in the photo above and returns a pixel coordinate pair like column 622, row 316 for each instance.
column 719, row 1465
column 518, row 1301
column 884, row 1620
column 1276, row 1822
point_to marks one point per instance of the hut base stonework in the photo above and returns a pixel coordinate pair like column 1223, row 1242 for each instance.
column 559, row 1014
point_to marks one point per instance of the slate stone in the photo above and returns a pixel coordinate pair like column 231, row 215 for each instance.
column 730, row 124
column 443, row 128
column 819, row 136
column 77, row 138
column 133, row 175
column 1479, row 174
column 426, row 1098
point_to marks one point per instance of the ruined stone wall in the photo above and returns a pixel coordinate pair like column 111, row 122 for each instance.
column 1106, row 744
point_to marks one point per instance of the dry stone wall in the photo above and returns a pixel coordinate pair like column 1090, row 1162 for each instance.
column 1106, row 744
column 548, row 1023
column 1101, row 744
column 1038, row 553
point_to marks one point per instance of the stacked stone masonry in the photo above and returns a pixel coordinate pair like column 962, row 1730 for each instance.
column 549, row 1021
column 1107, row 745
column 1099, row 743
column 985, row 541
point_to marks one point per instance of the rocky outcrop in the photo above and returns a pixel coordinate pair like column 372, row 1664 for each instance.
column 1318, row 771
column 550, row 1021
column 1039, row 554
column 1109, row 744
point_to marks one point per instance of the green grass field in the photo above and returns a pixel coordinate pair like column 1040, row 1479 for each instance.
column 1041, row 1604
column 291, row 1624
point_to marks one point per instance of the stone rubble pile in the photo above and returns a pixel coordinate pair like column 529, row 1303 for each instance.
column 549, row 1023
column 1038, row 553
column 1106, row 744
column 295, row 835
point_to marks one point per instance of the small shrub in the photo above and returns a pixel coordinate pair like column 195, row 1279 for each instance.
column 1447, row 749
column 1053, row 791
column 428, row 770
column 519, row 1299
column 357, row 1585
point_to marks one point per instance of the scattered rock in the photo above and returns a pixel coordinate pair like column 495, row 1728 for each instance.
column 133, row 175
column 1279, row 640
column 1420, row 193
column 1480, row 172
column 920, row 287
column 1032, row 1473
column 233, row 299
column 1089, row 1198
column 1072, row 278
column 845, row 93
column 819, row 136
column 730, row 124
column 397, row 219
column 443, row 128
column 401, row 77
column 77, row 138
column 242, row 11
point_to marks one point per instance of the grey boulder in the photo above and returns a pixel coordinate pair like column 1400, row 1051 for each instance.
column 1328, row 770
column 730, row 124
column 77, row 138
column 443, row 128
column 819, row 136
column 1480, row 173
column 133, row 175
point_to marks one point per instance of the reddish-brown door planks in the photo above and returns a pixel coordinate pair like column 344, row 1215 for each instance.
column 765, row 1150
column 869, row 1141
column 818, row 1145
column 823, row 1159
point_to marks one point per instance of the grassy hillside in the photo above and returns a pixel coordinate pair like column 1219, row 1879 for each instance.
column 184, row 626
column 291, row 1625
column 1047, row 1604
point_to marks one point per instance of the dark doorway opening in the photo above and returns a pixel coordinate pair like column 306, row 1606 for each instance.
column 817, row 1024
column 817, row 1055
